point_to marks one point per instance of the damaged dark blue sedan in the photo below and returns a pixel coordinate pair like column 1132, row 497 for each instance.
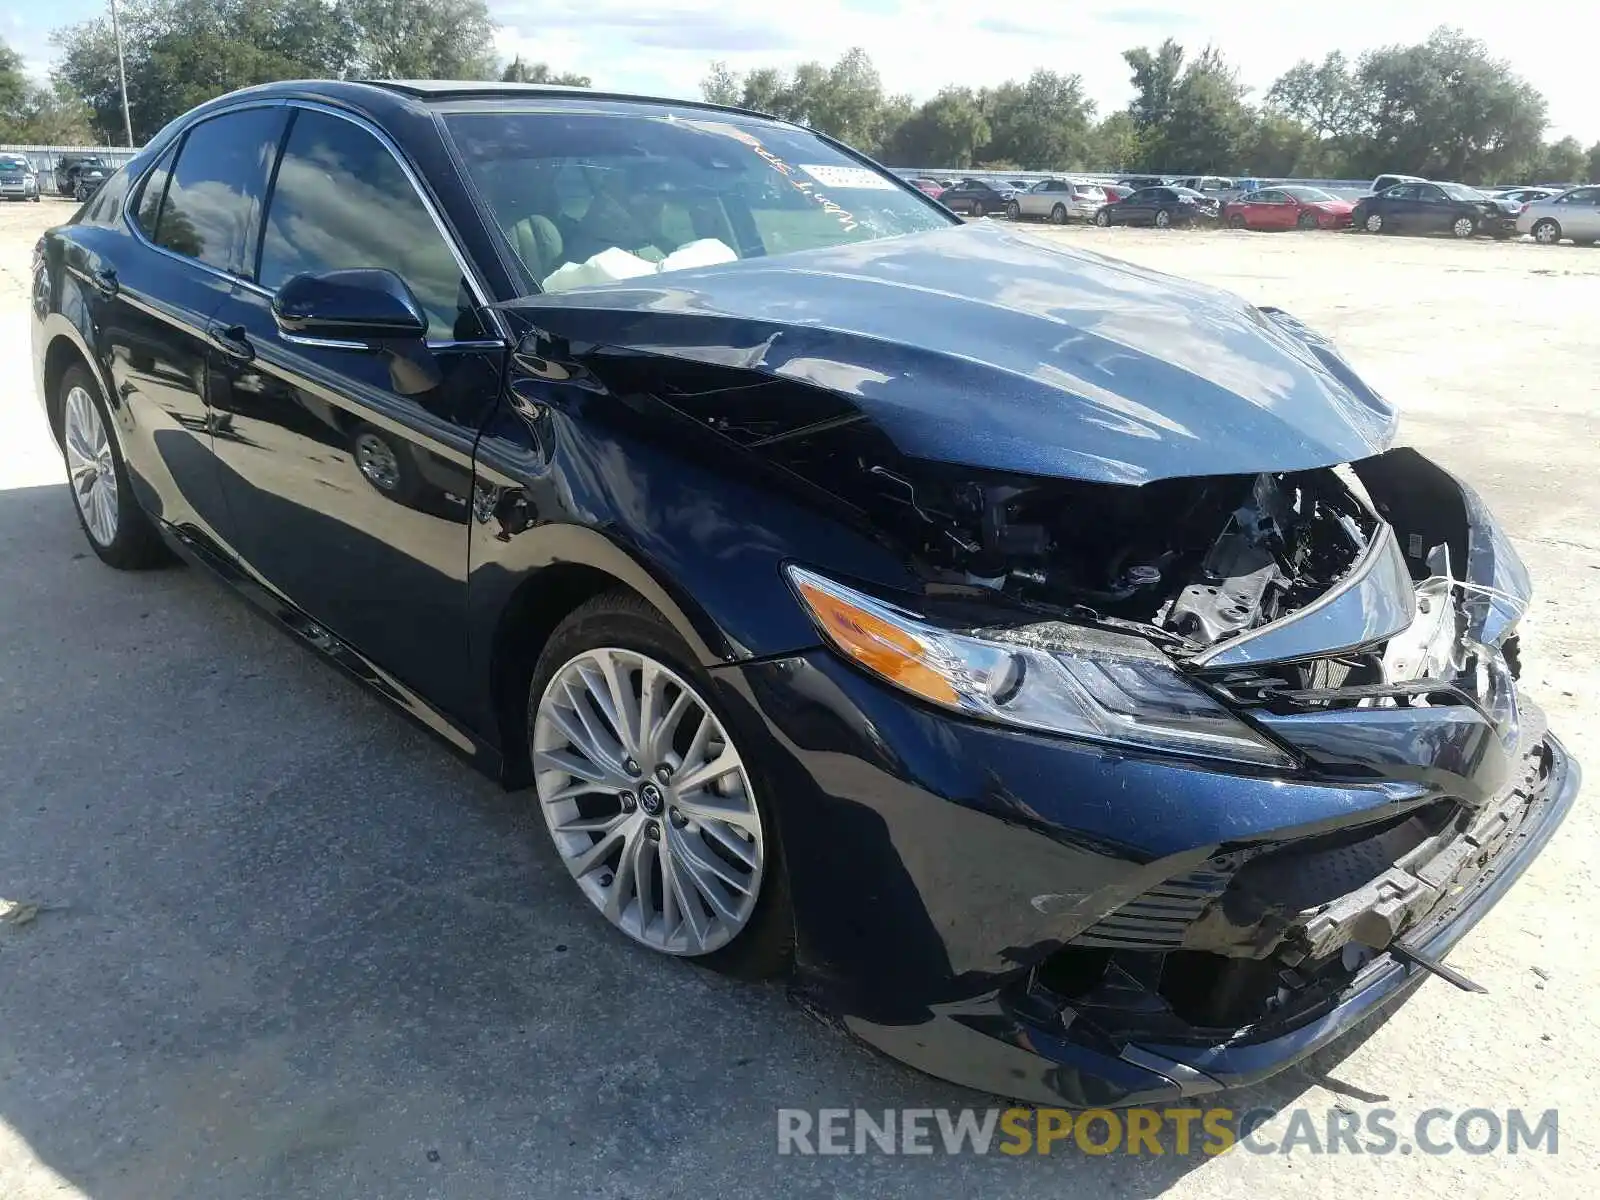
column 1052, row 665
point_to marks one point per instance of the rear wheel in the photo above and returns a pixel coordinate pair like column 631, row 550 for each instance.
column 650, row 792
column 1102, row 218
column 1547, row 232
column 1014, row 211
column 977, row 208
column 1058, row 215
column 1163, row 219
column 1237, row 221
column 119, row 531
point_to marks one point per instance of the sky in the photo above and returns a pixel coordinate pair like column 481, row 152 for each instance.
column 663, row 47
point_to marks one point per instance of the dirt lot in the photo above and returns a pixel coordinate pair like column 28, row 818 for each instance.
column 290, row 947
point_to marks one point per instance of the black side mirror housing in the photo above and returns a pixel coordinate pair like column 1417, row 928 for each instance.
column 362, row 305
column 363, row 309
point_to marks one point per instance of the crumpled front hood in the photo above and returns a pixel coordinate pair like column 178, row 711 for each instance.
column 981, row 346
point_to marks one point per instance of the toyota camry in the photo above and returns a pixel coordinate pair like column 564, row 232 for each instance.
column 1056, row 668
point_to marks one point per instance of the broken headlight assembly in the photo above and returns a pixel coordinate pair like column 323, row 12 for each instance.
column 1055, row 678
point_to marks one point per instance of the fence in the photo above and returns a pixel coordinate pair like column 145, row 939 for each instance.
column 44, row 159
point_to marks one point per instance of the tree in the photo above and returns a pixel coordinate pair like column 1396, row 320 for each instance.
column 1114, row 143
column 1324, row 97
column 1189, row 117
column 1445, row 109
column 180, row 53
column 518, row 71
column 1043, row 123
column 845, row 100
column 14, row 90
column 1593, row 173
column 945, row 132
column 1562, row 162
column 422, row 39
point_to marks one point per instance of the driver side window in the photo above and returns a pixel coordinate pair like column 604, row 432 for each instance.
column 340, row 200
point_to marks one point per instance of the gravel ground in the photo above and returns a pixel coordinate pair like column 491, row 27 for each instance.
column 288, row 946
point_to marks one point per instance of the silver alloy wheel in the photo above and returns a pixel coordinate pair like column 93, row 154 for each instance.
column 1058, row 215
column 1102, row 218
column 648, row 801
column 376, row 459
column 1375, row 223
column 1547, row 233
column 1163, row 219
column 90, row 467
column 1463, row 227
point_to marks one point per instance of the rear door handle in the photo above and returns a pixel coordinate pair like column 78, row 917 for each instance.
column 104, row 280
column 231, row 340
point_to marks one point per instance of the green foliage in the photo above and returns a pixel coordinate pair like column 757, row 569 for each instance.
column 947, row 131
column 1592, row 173
column 40, row 115
column 518, row 71
column 845, row 100
column 421, row 39
column 1562, row 162
column 1044, row 122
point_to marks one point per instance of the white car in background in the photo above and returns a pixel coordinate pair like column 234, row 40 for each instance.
column 1573, row 214
column 1058, row 201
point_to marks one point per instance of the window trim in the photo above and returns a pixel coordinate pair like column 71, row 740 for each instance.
column 468, row 272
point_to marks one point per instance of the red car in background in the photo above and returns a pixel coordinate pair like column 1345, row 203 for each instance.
column 1290, row 207
column 928, row 187
column 1115, row 192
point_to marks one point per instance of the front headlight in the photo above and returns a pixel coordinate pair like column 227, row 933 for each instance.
column 1057, row 678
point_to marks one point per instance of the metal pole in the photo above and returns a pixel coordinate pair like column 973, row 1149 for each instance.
column 122, row 75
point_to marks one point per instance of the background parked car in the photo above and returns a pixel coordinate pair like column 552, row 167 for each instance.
column 68, row 167
column 1436, row 208
column 1289, row 207
column 1384, row 182
column 1161, row 207
column 1135, row 182
column 928, row 187
column 1526, row 195
column 18, row 179
column 1219, row 187
column 978, row 197
column 1116, row 191
column 1574, row 214
column 1057, row 200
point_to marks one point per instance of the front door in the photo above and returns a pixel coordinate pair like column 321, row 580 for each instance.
column 350, row 489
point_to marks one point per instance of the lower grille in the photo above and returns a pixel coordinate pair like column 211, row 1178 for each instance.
column 1156, row 920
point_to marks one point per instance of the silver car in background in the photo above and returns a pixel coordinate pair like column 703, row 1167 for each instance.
column 1058, row 201
column 1573, row 214
column 18, row 179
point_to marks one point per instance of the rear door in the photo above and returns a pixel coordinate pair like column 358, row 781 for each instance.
column 1035, row 202
column 192, row 216
column 351, row 491
column 1432, row 211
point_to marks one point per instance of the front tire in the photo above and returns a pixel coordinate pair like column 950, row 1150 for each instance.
column 1014, row 211
column 1547, row 232
column 120, row 532
column 651, row 793
column 1058, row 215
column 977, row 209
column 1237, row 221
column 1103, row 219
column 1163, row 219
column 1374, row 223
column 1306, row 221
column 1463, row 228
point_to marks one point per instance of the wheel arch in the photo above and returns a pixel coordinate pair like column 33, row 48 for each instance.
column 62, row 353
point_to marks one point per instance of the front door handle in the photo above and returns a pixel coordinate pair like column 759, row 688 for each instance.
column 231, row 340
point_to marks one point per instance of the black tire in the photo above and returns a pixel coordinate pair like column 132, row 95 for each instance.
column 1547, row 232
column 1306, row 221
column 977, row 208
column 1374, row 223
column 764, row 948
column 1014, row 211
column 1058, row 215
column 136, row 546
column 1237, row 221
column 1462, row 228
column 1103, row 219
column 385, row 462
column 1163, row 219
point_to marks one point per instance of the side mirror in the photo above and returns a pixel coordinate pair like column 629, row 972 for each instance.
column 365, row 309
column 364, row 305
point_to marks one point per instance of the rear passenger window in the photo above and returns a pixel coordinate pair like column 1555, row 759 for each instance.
column 152, row 191
column 213, row 200
column 342, row 201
